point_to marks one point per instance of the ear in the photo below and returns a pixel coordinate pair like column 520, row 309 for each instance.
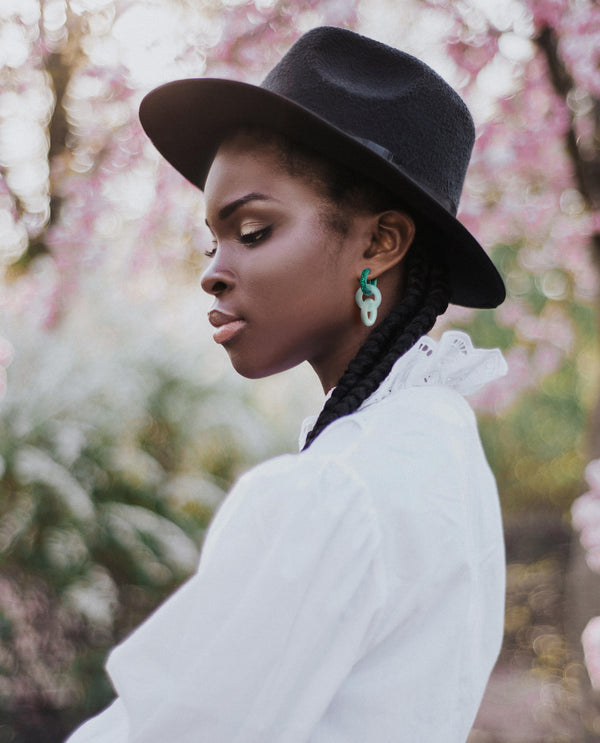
column 391, row 237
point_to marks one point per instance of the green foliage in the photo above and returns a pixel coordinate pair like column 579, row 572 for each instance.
column 102, row 512
column 537, row 452
column 535, row 432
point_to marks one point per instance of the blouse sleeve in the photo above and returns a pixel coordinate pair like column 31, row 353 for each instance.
column 255, row 645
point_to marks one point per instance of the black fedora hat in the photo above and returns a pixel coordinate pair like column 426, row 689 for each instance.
column 374, row 108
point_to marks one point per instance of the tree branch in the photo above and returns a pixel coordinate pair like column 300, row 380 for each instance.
column 587, row 171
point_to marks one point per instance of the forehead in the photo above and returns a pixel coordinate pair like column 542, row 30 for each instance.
column 239, row 160
column 242, row 166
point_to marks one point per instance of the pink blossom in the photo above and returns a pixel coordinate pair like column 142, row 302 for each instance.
column 592, row 475
column 585, row 515
column 547, row 359
column 595, row 222
column 580, row 44
column 591, row 649
column 510, row 312
column 474, row 56
column 497, row 396
column 548, row 13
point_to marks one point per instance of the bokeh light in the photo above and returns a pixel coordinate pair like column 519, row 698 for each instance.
column 122, row 426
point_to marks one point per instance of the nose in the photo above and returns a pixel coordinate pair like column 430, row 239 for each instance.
column 218, row 277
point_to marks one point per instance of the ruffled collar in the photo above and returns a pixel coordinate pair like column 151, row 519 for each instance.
column 451, row 362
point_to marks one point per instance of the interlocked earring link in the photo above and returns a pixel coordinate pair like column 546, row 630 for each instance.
column 368, row 306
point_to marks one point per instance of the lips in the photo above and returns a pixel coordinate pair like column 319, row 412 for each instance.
column 227, row 326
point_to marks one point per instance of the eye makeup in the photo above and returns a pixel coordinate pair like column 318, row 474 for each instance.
column 251, row 236
column 248, row 236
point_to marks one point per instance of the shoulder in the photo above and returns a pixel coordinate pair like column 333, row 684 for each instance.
column 309, row 493
column 418, row 450
column 297, row 517
column 315, row 484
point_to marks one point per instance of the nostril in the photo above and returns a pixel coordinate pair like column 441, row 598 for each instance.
column 216, row 280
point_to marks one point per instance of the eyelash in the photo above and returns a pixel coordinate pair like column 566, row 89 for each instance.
column 251, row 238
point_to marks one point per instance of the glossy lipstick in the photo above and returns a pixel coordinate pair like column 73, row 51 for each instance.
column 227, row 326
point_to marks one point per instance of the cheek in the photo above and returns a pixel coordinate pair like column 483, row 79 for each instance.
column 311, row 300
column 314, row 257
column 292, row 270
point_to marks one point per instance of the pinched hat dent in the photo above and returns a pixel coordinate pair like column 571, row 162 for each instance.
column 374, row 108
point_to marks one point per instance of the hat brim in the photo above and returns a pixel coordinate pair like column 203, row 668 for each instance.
column 186, row 120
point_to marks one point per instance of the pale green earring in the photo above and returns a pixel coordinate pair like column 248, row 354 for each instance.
column 368, row 306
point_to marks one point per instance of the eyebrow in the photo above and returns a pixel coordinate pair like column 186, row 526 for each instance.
column 229, row 209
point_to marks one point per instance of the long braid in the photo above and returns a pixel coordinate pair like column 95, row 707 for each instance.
column 426, row 297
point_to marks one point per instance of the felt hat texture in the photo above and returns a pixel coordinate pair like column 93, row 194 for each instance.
column 376, row 109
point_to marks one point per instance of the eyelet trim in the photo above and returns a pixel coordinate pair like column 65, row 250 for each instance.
column 451, row 362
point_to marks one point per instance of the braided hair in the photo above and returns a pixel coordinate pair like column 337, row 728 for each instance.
column 426, row 292
column 426, row 296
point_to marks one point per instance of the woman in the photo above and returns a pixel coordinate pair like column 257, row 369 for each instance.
column 354, row 591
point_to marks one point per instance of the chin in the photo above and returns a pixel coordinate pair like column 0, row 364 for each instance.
column 259, row 369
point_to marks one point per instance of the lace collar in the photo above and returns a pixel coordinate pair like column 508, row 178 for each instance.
column 450, row 362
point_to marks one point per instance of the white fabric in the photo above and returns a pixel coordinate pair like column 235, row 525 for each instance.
column 352, row 593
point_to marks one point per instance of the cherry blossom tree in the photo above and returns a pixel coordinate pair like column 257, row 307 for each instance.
column 96, row 234
column 534, row 193
column 530, row 70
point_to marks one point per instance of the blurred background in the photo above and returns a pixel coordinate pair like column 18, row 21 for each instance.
column 122, row 425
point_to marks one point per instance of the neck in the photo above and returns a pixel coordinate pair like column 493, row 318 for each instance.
column 331, row 369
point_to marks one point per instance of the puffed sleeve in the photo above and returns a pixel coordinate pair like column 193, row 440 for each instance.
column 253, row 647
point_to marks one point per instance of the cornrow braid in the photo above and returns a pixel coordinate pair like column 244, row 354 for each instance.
column 427, row 295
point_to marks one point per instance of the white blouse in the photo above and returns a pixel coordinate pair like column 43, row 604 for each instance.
column 351, row 593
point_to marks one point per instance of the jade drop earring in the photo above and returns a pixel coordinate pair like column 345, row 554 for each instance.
column 368, row 306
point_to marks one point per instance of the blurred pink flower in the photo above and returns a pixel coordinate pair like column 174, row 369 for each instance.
column 585, row 516
column 590, row 640
column 592, row 474
column 580, row 44
column 548, row 12
column 499, row 395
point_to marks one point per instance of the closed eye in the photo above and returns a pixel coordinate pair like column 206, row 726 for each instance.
column 211, row 253
column 247, row 238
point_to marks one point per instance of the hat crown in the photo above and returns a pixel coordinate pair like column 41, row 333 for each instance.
column 385, row 96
